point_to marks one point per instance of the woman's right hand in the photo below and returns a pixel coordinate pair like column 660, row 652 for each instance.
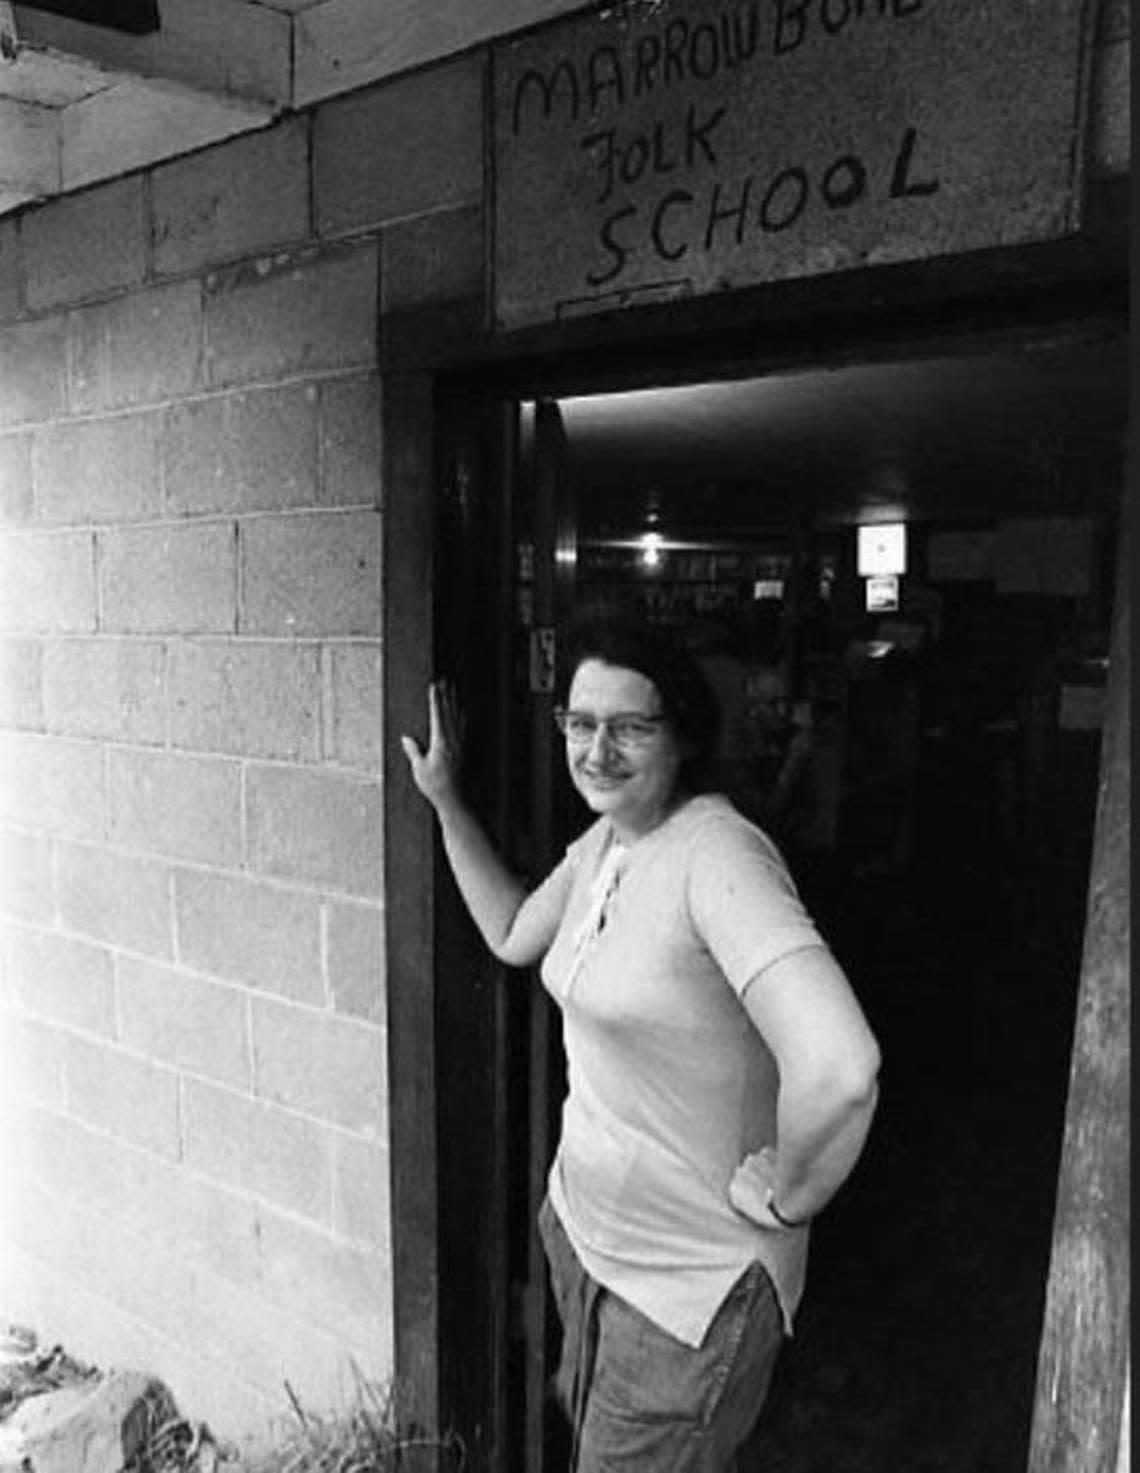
column 436, row 771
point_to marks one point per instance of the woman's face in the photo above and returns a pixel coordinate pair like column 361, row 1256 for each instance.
column 632, row 784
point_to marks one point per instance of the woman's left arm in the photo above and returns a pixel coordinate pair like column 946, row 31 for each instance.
column 828, row 1062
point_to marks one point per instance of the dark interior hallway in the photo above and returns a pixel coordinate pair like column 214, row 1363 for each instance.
column 952, row 886
column 917, row 1340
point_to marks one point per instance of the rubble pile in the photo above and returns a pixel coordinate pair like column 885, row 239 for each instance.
column 58, row 1415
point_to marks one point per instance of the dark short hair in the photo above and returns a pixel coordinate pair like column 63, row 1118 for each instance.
column 687, row 700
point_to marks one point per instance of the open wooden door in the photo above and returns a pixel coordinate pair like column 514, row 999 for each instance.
column 503, row 583
column 1081, row 1415
column 475, row 460
column 547, row 556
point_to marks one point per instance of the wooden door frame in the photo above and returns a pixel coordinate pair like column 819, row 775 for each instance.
column 882, row 315
column 1081, row 1404
column 426, row 930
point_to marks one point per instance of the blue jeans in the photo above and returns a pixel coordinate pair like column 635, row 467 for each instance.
column 641, row 1401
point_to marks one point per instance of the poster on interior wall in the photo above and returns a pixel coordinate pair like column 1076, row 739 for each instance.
column 964, row 556
column 660, row 149
column 1052, row 555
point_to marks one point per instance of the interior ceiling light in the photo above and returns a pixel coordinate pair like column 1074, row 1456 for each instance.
column 651, row 544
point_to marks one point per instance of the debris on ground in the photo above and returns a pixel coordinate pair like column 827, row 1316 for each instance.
column 58, row 1415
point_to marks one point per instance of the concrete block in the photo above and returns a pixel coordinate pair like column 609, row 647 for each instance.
column 312, row 575
column 251, row 194
column 128, row 1097
column 26, row 887
column 11, row 270
column 355, row 960
column 401, row 149
column 97, row 470
column 96, row 1426
column 121, row 899
column 105, row 687
column 350, row 442
column 323, row 1282
column 439, row 258
column 21, row 1144
column 362, row 1192
column 16, row 477
column 169, row 579
column 33, row 371
column 63, row 980
column 31, row 1060
column 52, row 784
column 176, row 806
column 263, row 936
column 138, row 349
column 242, row 452
column 179, row 1213
column 260, row 1149
column 355, row 734
column 315, row 828
column 47, row 582
column 70, row 1160
column 21, row 684
column 86, row 244
column 331, row 1068
column 292, row 313
column 183, row 1021
column 250, row 698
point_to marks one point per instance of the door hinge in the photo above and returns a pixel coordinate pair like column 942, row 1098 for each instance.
column 542, row 651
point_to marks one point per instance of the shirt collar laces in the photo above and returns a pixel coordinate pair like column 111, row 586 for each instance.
column 602, row 891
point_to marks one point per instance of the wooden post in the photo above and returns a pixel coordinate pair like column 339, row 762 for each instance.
column 410, row 908
column 1082, row 1369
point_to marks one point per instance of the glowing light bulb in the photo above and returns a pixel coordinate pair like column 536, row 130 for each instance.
column 650, row 544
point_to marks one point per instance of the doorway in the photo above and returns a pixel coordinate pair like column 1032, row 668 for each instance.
column 930, row 768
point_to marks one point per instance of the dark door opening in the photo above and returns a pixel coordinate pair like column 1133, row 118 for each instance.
column 931, row 770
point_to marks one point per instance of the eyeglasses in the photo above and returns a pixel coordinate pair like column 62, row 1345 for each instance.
column 627, row 731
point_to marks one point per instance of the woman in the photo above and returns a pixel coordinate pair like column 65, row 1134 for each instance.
column 722, row 1077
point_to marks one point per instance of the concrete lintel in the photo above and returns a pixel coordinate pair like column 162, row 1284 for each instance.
column 30, row 152
column 343, row 44
column 225, row 47
column 133, row 124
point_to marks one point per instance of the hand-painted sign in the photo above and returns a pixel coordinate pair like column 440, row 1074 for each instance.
column 666, row 148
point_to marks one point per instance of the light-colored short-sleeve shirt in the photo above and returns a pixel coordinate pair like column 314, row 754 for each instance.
column 670, row 1083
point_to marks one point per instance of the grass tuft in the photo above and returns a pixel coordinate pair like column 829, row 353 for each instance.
column 362, row 1439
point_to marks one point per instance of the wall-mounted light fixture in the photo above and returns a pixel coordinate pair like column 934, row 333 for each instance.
column 881, row 549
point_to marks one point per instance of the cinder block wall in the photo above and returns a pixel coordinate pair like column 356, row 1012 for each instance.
column 194, row 1149
column 193, row 1144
